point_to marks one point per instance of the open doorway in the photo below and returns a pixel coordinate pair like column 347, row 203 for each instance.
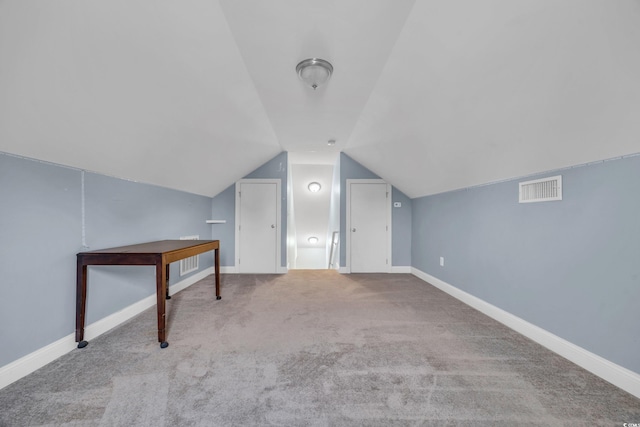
column 314, row 210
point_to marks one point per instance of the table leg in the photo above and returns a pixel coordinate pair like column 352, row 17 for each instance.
column 81, row 301
column 217, row 268
column 168, row 296
column 161, row 292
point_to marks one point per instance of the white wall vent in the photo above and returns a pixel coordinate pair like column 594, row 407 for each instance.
column 541, row 190
column 190, row 264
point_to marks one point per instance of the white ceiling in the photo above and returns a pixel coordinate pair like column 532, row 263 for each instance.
column 430, row 95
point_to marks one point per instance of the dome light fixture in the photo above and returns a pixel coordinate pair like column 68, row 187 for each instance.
column 314, row 187
column 314, row 71
column 313, row 240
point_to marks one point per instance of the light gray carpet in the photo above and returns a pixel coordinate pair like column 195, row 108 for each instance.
column 315, row 348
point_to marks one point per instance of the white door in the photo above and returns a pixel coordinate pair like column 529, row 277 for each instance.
column 257, row 227
column 369, row 227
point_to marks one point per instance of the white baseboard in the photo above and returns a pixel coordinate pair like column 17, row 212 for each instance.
column 234, row 270
column 47, row 354
column 395, row 269
column 184, row 284
column 621, row 377
column 25, row 365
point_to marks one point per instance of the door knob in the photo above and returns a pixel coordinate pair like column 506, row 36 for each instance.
column 273, row 226
column 353, row 229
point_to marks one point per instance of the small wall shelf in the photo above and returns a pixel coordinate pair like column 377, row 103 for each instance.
column 216, row 221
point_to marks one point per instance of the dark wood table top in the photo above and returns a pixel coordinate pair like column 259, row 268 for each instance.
column 160, row 253
column 159, row 247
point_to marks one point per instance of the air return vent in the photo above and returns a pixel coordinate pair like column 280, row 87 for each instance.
column 190, row 264
column 541, row 190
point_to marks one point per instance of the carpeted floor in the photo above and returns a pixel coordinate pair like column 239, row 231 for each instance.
column 315, row 348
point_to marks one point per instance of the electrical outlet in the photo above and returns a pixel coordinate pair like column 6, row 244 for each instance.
column 441, row 261
column 397, row 204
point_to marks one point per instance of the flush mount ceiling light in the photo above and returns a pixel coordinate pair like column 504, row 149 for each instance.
column 313, row 240
column 314, row 71
column 314, row 187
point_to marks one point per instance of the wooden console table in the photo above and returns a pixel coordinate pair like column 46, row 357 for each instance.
column 160, row 254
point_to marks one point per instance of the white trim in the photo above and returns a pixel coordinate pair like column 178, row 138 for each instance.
column 347, row 267
column 621, row 377
column 237, row 224
column 27, row 364
column 234, row 270
column 278, row 183
column 184, row 284
column 398, row 269
column 395, row 269
column 389, row 227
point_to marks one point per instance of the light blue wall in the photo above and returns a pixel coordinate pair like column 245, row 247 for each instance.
column 40, row 233
column 41, row 229
column 224, row 207
column 401, row 229
column 571, row 267
column 401, row 217
column 120, row 212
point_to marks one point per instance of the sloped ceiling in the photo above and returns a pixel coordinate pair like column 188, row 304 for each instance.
column 430, row 95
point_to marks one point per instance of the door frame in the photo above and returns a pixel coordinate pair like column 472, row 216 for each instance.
column 278, row 183
column 348, row 220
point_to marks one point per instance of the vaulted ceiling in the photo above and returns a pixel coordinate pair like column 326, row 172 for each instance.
column 432, row 95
